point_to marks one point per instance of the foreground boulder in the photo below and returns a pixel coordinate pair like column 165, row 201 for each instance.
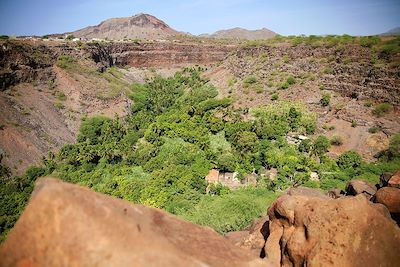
column 68, row 225
column 395, row 180
column 313, row 231
column 357, row 187
column 390, row 197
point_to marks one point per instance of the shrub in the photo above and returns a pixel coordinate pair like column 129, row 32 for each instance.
column 4, row 37
column 70, row 37
column 321, row 145
column 65, row 61
column 369, row 41
column 259, row 89
column 382, row 109
column 284, row 85
column 336, row 140
column 249, row 81
column 325, row 100
column 327, row 70
column 232, row 81
column 291, row 80
column 354, row 123
column 368, row 103
column 305, row 145
column 274, row 97
column 60, row 96
column 349, row 159
column 374, row 129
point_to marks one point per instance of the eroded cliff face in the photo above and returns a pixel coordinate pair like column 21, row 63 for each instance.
column 167, row 54
column 27, row 61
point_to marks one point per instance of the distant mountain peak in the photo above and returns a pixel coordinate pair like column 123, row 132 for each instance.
column 141, row 26
column 394, row 31
column 243, row 34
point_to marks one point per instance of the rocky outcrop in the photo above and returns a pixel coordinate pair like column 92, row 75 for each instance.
column 24, row 62
column 68, row 225
column 313, row 231
column 357, row 187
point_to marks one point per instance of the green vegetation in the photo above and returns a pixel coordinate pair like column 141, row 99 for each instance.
column 70, row 37
column 374, row 129
column 274, row 97
column 60, row 96
column 290, row 80
column 325, row 100
column 382, row 109
column 369, row 41
column 284, row 85
column 4, row 37
column 327, row 70
column 249, row 81
column 321, row 145
column 65, row 61
column 178, row 130
column 349, row 159
column 354, row 123
column 336, row 140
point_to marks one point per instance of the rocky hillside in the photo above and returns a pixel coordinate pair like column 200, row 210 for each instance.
column 140, row 26
column 357, row 78
column 242, row 34
column 66, row 224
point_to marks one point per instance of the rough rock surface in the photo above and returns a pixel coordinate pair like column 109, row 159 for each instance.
column 356, row 187
column 350, row 231
column 395, row 180
column 390, row 197
column 68, row 225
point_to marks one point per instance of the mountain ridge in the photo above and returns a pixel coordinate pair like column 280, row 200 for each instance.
column 139, row 26
column 241, row 34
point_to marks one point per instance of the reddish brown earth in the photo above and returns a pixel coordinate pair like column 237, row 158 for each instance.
column 68, row 225
column 306, row 228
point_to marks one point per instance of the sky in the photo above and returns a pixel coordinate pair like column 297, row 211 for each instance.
column 286, row 17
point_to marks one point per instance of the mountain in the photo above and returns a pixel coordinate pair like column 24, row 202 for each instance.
column 394, row 31
column 140, row 26
column 243, row 34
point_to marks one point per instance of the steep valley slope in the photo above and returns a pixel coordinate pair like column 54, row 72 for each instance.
column 47, row 87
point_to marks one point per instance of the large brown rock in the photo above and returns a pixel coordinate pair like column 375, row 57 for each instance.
column 395, row 180
column 68, row 225
column 357, row 187
column 313, row 231
column 390, row 197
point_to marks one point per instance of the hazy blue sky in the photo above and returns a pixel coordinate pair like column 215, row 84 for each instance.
column 356, row 17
